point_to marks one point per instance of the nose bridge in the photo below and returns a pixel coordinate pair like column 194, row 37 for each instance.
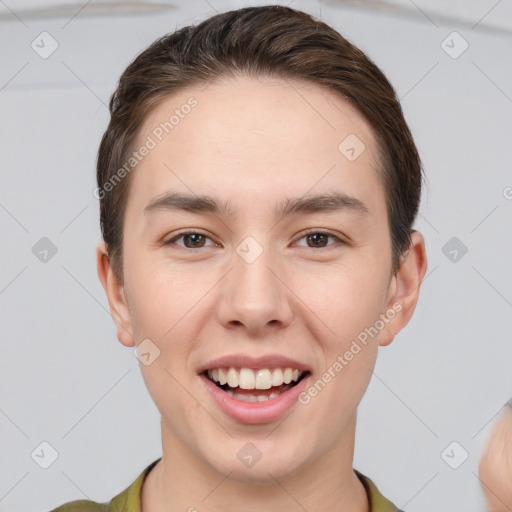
column 255, row 295
column 253, row 277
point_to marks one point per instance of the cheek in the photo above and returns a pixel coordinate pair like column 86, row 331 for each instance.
column 348, row 300
column 346, row 297
column 160, row 296
column 168, row 308
column 165, row 311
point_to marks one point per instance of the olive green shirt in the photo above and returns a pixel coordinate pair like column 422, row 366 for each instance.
column 129, row 499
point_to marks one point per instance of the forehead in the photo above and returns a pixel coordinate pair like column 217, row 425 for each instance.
column 269, row 136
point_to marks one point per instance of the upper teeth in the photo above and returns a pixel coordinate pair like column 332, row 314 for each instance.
column 247, row 378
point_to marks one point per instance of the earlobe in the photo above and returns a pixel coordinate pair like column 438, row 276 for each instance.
column 116, row 296
column 404, row 288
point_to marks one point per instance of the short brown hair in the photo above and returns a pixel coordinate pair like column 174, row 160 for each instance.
column 270, row 41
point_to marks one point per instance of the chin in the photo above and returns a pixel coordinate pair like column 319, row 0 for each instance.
column 260, row 474
column 247, row 464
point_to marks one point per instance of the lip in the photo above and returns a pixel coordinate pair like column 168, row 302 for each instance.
column 245, row 361
column 252, row 413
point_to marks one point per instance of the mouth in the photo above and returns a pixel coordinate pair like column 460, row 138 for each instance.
column 255, row 385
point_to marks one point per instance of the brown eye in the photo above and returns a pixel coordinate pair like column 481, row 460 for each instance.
column 319, row 239
column 191, row 239
column 195, row 240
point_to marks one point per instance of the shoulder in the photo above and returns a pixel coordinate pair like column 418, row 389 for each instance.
column 82, row 506
column 126, row 501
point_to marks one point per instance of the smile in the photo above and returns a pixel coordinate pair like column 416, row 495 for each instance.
column 241, row 397
column 248, row 385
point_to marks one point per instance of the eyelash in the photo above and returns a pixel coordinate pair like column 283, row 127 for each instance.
column 304, row 235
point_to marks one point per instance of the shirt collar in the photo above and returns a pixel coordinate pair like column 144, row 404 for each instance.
column 129, row 499
column 378, row 503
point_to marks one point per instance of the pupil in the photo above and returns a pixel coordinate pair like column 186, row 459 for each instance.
column 194, row 236
column 315, row 236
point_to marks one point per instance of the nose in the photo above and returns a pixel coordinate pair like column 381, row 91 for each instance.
column 255, row 296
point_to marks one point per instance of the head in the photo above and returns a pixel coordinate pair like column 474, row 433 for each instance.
column 251, row 114
column 495, row 469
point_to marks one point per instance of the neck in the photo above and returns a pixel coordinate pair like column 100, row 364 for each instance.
column 181, row 481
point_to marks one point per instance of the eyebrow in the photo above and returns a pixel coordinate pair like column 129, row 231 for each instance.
column 333, row 202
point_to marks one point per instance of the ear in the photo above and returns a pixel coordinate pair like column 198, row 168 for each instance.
column 404, row 289
column 116, row 296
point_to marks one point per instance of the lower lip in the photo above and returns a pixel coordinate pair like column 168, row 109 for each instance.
column 255, row 412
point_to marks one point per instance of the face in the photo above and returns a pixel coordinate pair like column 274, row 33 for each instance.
column 259, row 285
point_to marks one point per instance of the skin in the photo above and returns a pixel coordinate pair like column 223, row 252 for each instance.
column 255, row 142
column 495, row 468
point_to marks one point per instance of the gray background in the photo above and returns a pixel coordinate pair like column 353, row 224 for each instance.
column 67, row 381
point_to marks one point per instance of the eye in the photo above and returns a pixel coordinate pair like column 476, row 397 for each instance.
column 197, row 240
column 319, row 238
column 192, row 239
